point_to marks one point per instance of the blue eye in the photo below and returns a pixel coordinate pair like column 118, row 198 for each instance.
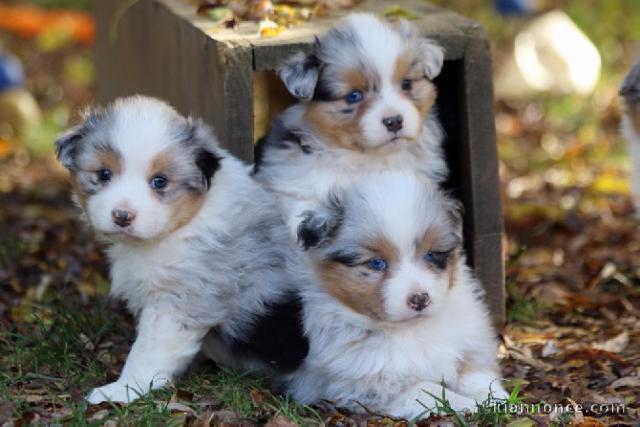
column 377, row 264
column 354, row 96
column 159, row 182
column 104, row 175
column 437, row 259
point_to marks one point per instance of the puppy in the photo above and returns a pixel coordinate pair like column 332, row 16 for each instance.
column 366, row 104
column 196, row 245
column 630, row 93
column 396, row 317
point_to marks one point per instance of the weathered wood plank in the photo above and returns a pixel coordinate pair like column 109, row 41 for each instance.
column 481, row 182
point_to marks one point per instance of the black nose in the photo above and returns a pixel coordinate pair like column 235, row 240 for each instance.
column 123, row 217
column 418, row 302
column 393, row 124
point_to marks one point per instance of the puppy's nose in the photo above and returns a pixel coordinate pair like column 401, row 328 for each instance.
column 418, row 302
column 123, row 217
column 393, row 124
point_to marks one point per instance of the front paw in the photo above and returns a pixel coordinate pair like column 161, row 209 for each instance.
column 461, row 403
column 115, row 392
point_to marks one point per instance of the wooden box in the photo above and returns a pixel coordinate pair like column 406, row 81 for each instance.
column 163, row 48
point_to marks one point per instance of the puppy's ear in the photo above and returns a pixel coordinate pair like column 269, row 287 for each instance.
column 206, row 156
column 432, row 57
column 66, row 146
column 320, row 226
column 454, row 210
column 300, row 74
column 431, row 54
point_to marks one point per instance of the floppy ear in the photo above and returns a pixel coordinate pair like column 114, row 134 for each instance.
column 66, row 146
column 432, row 55
column 207, row 158
column 321, row 225
column 429, row 51
column 300, row 74
column 454, row 210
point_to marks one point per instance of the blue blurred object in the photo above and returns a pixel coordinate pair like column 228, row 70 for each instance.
column 11, row 72
column 514, row 7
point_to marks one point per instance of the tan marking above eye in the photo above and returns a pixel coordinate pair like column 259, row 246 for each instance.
column 353, row 79
column 386, row 250
column 161, row 164
column 108, row 159
column 427, row 242
column 407, row 68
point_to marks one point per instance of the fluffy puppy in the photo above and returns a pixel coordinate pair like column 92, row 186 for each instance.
column 397, row 316
column 630, row 93
column 196, row 246
column 366, row 104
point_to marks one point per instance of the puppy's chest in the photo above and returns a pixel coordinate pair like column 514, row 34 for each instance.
column 402, row 357
column 321, row 172
column 138, row 275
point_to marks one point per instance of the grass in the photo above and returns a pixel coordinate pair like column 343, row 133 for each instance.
column 54, row 359
column 491, row 412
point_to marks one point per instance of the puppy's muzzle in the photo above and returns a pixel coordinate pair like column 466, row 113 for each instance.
column 419, row 302
column 122, row 217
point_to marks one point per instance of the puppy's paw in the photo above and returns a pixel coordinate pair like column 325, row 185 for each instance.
column 482, row 386
column 314, row 229
column 461, row 403
column 114, row 392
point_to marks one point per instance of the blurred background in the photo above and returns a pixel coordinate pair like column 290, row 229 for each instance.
column 573, row 243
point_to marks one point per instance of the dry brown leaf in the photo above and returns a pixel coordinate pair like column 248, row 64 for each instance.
column 281, row 421
column 614, row 345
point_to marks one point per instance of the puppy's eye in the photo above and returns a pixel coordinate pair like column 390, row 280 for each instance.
column 158, row 182
column 104, row 175
column 377, row 264
column 437, row 259
column 406, row 84
column 354, row 96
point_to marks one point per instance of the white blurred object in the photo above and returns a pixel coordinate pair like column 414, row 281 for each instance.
column 551, row 55
column 630, row 93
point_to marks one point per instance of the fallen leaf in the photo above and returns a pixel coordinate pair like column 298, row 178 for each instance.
column 632, row 381
column 614, row 345
column 549, row 349
column 180, row 407
column 280, row 421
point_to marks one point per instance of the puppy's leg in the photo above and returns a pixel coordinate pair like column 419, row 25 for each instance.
column 420, row 400
column 163, row 348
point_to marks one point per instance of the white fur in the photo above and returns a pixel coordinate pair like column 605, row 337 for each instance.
column 390, row 366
